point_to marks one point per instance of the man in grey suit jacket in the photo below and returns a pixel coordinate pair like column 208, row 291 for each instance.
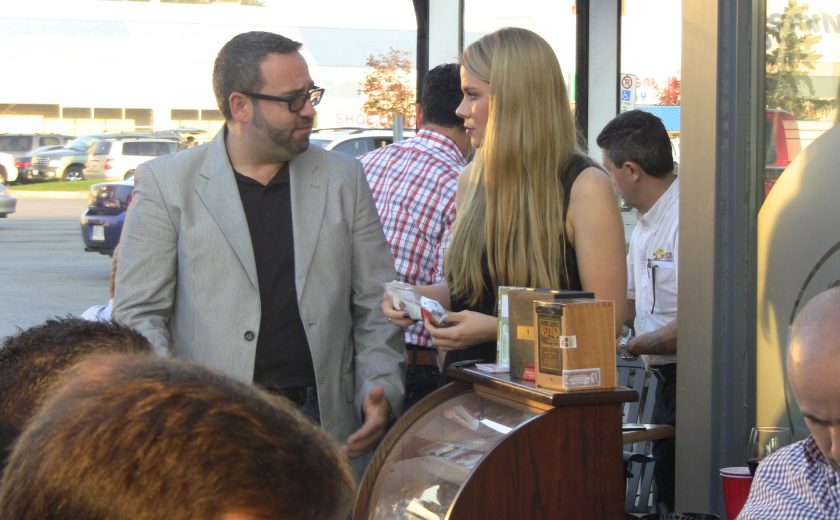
column 264, row 258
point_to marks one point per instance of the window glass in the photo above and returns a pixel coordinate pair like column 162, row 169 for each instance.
column 653, row 58
column 135, row 148
column 797, row 253
column 554, row 21
column 15, row 143
column 102, row 148
column 354, row 147
column 802, row 81
column 48, row 141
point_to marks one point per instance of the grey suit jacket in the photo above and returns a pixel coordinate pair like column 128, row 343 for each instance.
column 187, row 278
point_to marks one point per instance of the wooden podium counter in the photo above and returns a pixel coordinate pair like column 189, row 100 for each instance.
column 487, row 446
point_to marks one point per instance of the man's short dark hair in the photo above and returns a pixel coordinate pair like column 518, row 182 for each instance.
column 640, row 137
column 237, row 66
column 32, row 360
column 442, row 95
column 127, row 436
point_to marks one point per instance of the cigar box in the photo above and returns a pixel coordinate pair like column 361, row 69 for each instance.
column 521, row 325
column 503, row 332
column 575, row 344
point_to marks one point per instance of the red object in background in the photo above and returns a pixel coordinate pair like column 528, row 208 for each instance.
column 781, row 135
column 736, row 489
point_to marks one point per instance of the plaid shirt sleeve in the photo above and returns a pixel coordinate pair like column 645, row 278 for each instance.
column 795, row 483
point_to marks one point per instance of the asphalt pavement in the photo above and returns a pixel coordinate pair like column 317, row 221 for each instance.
column 46, row 271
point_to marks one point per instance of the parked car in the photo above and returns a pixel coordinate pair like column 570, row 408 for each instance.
column 18, row 145
column 102, row 223
column 7, row 202
column 24, row 162
column 68, row 163
column 23, row 144
column 118, row 158
column 354, row 141
column 8, row 170
column 323, row 136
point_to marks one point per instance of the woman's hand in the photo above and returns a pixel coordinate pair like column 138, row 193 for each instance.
column 397, row 317
column 467, row 328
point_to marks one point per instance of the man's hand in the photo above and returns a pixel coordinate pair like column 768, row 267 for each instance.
column 396, row 316
column 375, row 410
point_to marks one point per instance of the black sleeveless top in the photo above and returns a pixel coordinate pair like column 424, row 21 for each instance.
column 486, row 352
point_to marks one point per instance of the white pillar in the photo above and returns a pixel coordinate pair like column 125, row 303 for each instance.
column 445, row 26
column 603, row 68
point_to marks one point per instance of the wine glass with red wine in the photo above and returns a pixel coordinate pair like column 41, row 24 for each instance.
column 764, row 440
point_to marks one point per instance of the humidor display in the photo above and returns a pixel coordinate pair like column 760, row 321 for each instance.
column 488, row 446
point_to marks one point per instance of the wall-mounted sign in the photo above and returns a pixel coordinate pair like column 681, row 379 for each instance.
column 627, row 92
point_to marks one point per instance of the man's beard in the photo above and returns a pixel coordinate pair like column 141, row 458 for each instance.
column 283, row 137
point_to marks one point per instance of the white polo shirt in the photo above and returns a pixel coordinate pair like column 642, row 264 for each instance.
column 652, row 262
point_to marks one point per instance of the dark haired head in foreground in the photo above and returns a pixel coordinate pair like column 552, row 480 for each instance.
column 145, row 438
column 31, row 361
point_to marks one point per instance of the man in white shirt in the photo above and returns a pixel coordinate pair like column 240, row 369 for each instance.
column 637, row 153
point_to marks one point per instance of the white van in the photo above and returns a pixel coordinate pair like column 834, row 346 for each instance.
column 118, row 158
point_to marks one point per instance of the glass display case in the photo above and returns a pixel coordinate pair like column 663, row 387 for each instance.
column 486, row 446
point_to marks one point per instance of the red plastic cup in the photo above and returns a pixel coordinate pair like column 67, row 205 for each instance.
column 736, row 488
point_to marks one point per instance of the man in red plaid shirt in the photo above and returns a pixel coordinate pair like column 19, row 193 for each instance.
column 413, row 184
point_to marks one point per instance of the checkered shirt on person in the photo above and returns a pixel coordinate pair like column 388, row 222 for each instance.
column 794, row 483
column 413, row 184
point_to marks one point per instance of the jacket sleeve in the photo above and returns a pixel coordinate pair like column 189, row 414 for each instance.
column 147, row 264
column 380, row 348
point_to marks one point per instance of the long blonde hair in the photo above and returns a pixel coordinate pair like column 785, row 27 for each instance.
column 512, row 212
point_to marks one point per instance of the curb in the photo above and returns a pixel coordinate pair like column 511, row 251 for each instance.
column 66, row 195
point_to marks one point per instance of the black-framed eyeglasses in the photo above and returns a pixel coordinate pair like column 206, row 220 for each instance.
column 296, row 102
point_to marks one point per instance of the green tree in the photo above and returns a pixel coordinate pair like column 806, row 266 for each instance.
column 790, row 57
column 388, row 86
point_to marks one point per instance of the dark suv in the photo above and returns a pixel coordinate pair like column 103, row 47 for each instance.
column 68, row 163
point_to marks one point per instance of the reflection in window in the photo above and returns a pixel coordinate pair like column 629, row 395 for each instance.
column 802, row 83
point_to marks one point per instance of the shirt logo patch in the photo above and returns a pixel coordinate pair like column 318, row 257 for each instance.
column 661, row 254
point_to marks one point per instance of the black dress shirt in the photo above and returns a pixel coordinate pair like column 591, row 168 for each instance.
column 283, row 358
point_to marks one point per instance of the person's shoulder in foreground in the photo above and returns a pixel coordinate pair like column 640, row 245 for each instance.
column 795, row 482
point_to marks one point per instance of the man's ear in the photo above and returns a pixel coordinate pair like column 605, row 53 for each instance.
column 634, row 170
column 418, row 115
column 241, row 107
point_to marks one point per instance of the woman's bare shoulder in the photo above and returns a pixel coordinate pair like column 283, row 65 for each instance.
column 592, row 182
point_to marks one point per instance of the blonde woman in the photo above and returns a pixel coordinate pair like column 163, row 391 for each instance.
column 532, row 209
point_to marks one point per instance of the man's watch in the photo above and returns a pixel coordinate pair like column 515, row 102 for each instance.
column 625, row 354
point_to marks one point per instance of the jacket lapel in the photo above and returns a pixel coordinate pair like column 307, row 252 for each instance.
column 216, row 187
column 309, row 198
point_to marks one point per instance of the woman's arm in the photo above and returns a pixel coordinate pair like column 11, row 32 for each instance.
column 596, row 231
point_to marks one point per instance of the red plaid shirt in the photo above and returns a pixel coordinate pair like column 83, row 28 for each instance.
column 413, row 184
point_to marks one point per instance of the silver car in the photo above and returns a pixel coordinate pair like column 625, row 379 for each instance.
column 118, row 158
column 7, row 202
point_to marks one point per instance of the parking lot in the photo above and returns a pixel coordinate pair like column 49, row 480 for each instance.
column 46, row 270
